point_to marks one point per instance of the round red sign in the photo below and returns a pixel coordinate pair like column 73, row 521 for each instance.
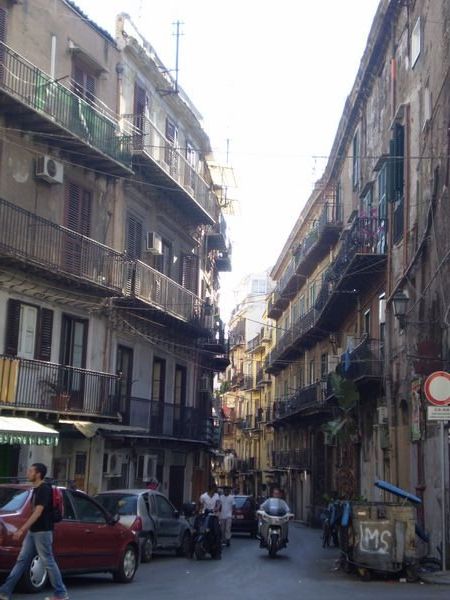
column 437, row 388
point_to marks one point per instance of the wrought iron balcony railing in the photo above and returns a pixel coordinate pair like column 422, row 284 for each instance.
column 35, row 385
column 59, row 105
column 151, row 143
column 172, row 421
column 308, row 397
column 364, row 362
column 158, row 290
column 295, row 459
column 40, row 243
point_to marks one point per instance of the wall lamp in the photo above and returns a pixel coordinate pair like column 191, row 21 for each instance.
column 400, row 304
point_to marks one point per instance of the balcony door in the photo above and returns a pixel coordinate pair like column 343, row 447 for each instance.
column 179, row 420
column 125, row 371
column 77, row 218
column 158, row 394
column 73, row 354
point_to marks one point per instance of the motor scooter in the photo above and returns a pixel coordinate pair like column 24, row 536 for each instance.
column 207, row 537
column 273, row 525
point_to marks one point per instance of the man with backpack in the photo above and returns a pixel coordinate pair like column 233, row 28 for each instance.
column 38, row 532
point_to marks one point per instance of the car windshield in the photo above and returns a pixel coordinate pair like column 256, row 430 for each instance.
column 122, row 504
column 12, row 499
column 240, row 501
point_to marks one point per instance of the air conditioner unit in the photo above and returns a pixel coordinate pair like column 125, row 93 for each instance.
column 49, row 169
column 146, row 467
column 153, row 243
column 112, row 464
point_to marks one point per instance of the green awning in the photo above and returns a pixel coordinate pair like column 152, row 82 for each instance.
column 18, row 430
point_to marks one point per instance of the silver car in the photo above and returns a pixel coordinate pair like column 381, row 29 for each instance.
column 152, row 516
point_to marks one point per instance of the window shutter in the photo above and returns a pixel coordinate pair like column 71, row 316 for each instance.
column 44, row 345
column 90, row 87
column 140, row 99
column 189, row 273
column 12, row 327
column 3, row 15
column 390, row 173
column 77, row 210
column 134, row 238
column 399, row 154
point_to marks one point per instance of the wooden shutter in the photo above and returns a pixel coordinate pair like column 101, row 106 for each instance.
column 44, row 344
column 189, row 272
column 12, row 327
column 134, row 237
column 3, row 15
column 140, row 99
column 77, row 213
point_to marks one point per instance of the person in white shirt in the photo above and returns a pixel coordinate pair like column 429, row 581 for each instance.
column 227, row 505
column 210, row 500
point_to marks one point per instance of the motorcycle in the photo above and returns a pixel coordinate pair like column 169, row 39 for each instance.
column 274, row 523
column 207, row 537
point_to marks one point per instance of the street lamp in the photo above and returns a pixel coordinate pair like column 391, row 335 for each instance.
column 400, row 303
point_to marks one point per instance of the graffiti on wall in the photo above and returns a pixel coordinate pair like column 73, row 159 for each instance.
column 375, row 538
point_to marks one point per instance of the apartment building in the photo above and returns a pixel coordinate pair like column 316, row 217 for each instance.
column 361, row 302
column 112, row 242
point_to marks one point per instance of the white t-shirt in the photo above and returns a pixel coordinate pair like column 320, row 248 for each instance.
column 209, row 502
column 227, row 506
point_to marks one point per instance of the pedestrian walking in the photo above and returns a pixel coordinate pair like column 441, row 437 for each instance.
column 227, row 503
column 38, row 532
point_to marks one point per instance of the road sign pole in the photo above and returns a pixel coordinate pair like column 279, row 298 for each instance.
column 443, row 524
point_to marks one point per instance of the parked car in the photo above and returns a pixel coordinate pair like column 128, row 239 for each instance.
column 87, row 540
column 151, row 515
column 244, row 516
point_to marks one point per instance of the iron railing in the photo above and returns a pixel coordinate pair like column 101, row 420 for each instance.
column 163, row 293
column 38, row 385
column 364, row 362
column 150, row 141
column 38, row 91
column 305, row 397
column 37, row 241
column 295, row 459
column 169, row 420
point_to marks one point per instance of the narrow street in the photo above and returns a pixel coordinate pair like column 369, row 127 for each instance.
column 304, row 571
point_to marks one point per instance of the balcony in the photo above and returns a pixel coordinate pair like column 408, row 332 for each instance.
column 45, row 106
column 360, row 262
column 38, row 386
column 292, row 459
column 237, row 333
column 216, row 238
column 216, row 349
column 249, row 382
column 166, row 296
column 164, row 420
column 363, row 364
column 165, row 163
column 36, row 244
column 237, row 380
column 274, row 310
column 222, row 260
column 262, row 378
column 246, row 465
column 307, row 399
column 307, row 254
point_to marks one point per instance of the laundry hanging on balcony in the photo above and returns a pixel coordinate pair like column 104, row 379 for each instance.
column 18, row 430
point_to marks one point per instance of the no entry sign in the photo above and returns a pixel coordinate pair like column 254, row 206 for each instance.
column 437, row 388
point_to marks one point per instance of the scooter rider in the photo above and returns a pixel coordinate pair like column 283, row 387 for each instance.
column 210, row 501
column 276, row 494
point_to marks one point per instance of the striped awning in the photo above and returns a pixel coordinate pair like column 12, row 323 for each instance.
column 18, row 430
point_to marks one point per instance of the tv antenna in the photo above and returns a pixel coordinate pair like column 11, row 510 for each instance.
column 178, row 33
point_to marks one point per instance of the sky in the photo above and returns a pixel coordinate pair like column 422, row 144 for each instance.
column 272, row 78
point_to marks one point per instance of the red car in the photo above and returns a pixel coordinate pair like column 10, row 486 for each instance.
column 87, row 540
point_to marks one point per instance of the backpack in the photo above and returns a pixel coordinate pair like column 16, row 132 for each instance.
column 57, row 504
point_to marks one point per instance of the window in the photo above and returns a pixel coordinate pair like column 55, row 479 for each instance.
column 312, row 294
column 416, row 42
column 323, row 365
column 69, row 513
column 356, row 160
column 29, row 331
column 190, row 272
column 312, row 371
column 134, row 238
column 84, row 81
column 302, row 306
column 366, row 322
column 396, row 180
column 382, row 210
column 163, row 262
column 172, row 143
column 179, row 392
column 259, row 286
column 191, row 159
column 164, row 508
column 86, row 510
column 77, row 210
column 158, row 395
column 366, row 203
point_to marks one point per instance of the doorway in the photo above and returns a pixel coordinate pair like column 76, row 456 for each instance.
column 176, row 485
column 73, row 354
column 125, row 371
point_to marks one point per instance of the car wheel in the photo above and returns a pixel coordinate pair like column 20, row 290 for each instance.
column 147, row 550
column 35, row 577
column 186, row 546
column 128, row 565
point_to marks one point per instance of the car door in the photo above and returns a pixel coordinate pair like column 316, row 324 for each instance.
column 168, row 524
column 100, row 540
column 68, row 538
